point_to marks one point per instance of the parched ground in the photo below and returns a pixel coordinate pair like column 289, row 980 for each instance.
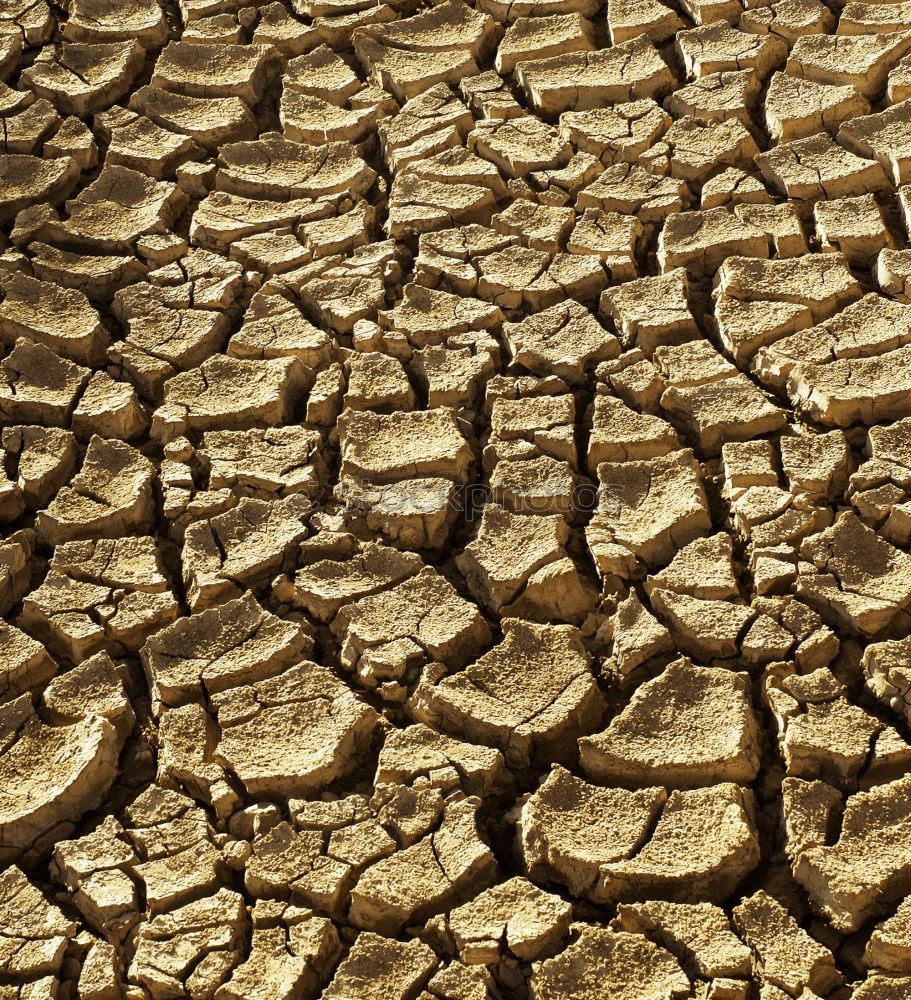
column 456, row 500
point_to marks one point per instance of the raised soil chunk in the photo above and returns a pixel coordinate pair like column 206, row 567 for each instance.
column 816, row 464
column 440, row 45
column 868, row 869
column 788, row 19
column 638, row 636
column 885, row 137
column 273, row 327
column 216, row 70
column 796, row 108
column 889, row 946
column 111, row 496
column 627, row 965
column 507, row 549
column 853, row 576
column 198, row 943
column 823, row 283
column 612, row 236
column 436, row 873
column 540, row 37
column 853, row 389
column 887, row 673
column 830, row 741
column 630, row 188
column 45, row 459
column 377, row 967
column 450, row 187
column 705, row 629
column 294, row 733
column 105, row 593
column 690, row 149
column 244, row 546
column 273, row 167
column 428, row 316
column 377, row 382
column 646, row 512
column 788, row 956
column 671, row 733
column 28, row 179
column 717, row 96
column 871, row 326
column 682, row 860
column 117, row 208
column 235, row 643
column 94, row 868
column 387, row 636
column 702, row 569
column 418, row 751
column 649, row 312
column 229, row 394
column 628, row 18
column 26, row 663
column 620, row 433
column 85, row 78
column 16, row 555
column 544, row 422
column 489, row 96
column 809, row 809
column 37, row 386
column 744, row 327
column 44, row 313
column 701, row 240
column 34, row 933
column 542, row 227
column 716, row 47
column 871, row 18
column 625, row 72
column 730, row 409
column 221, row 218
column 34, row 805
column 514, row 918
column 429, row 123
column 97, row 276
column 209, row 121
column 569, row 830
column 385, row 448
column 500, row 700
column 292, row 952
column 734, row 187
column 275, row 461
column 698, row 935
column 92, row 688
column 616, row 134
column 817, row 167
column 854, row 226
column 323, row 74
column 898, row 86
column 110, row 409
column 519, row 145
column 459, row 982
column 860, row 61
column 324, row 586
column 97, row 21
column 892, row 273
column 139, row 143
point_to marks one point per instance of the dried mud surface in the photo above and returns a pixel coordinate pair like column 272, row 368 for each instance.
column 456, row 500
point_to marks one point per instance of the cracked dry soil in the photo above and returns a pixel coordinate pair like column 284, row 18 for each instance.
column 455, row 500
